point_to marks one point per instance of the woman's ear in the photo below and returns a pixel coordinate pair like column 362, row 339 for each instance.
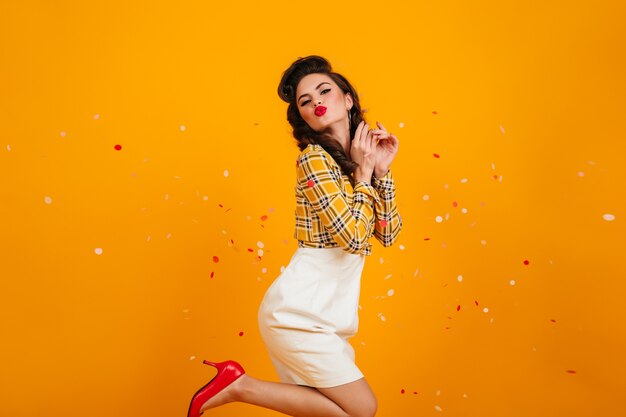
column 348, row 101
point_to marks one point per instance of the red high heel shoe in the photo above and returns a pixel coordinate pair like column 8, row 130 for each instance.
column 227, row 373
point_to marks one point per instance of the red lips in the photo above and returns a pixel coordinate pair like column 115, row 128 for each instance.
column 320, row 110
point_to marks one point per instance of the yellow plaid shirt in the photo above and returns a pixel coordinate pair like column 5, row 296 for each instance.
column 330, row 213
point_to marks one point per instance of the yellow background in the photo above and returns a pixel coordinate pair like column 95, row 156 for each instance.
column 524, row 102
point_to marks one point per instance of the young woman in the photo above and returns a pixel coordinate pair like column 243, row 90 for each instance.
column 344, row 194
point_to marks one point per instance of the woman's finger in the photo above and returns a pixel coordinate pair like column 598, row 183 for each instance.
column 381, row 126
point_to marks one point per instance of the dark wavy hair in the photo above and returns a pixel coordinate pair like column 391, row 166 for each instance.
column 302, row 132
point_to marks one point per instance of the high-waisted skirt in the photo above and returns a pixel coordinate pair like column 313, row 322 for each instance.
column 308, row 314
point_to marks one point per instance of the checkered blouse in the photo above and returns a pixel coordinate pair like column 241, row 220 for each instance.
column 330, row 213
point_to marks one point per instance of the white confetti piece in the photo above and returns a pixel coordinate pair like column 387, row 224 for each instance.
column 388, row 276
column 226, row 173
column 459, row 278
column 98, row 251
column 183, row 128
column 260, row 244
column 464, row 180
column 493, row 166
column 502, row 129
column 416, row 272
column 260, row 252
column 96, row 116
column 438, row 408
column 464, row 210
column 390, row 292
column 47, row 200
column 581, row 174
column 426, row 197
column 192, row 358
column 381, row 260
column 512, row 282
column 608, row 217
column 264, row 270
column 382, row 318
column 401, row 125
column 205, row 198
column 401, row 247
column 485, row 310
column 447, row 216
column 438, row 219
column 9, row 148
column 62, row 134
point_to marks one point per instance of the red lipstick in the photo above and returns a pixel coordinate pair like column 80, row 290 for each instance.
column 320, row 110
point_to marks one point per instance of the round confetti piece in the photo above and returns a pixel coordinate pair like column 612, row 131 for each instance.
column 402, row 391
column 118, row 147
column 383, row 223
column 608, row 217
column 240, row 333
column 526, row 262
column 264, row 217
column 216, row 259
column 47, row 200
column 436, row 155
column 98, row 251
column 310, row 183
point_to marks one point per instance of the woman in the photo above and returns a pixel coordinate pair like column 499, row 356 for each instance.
column 344, row 194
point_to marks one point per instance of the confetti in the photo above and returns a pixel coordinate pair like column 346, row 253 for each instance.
column 390, row 292
column 526, row 262
column 62, row 134
column 458, row 307
column 212, row 274
column 438, row 408
column 402, row 391
column 98, row 251
column 436, row 155
column 226, row 173
column 310, row 183
column 608, row 217
column 401, row 125
column 438, row 219
column 455, row 204
column 216, row 259
column 240, row 333
column 512, row 282
column 118, row 147
column 47, row 200
column 264, row 217
column 502, row 129
column 434, row 112
column 570, row 371
column 183, row 128
column 459, row 278
column 383, row 223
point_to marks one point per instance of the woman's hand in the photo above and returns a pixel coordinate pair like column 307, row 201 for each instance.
column 363, row 152
column 386, row 150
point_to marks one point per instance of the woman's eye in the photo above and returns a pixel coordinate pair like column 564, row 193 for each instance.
column 304, row 103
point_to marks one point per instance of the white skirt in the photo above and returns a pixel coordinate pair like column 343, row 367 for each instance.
column 308, row 314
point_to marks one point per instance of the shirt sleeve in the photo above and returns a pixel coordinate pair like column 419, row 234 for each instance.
column 349, row 226
column 388, row 220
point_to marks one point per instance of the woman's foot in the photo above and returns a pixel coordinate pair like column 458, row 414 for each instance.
column 227, row 395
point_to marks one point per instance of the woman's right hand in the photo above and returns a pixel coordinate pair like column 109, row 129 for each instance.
column 362, row 151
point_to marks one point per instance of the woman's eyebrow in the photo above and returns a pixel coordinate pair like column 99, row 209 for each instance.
column 318, row 86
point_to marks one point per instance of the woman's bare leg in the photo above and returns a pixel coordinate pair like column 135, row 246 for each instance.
column 354, row 399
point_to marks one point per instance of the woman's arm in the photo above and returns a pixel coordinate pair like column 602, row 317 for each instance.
column 388, row 220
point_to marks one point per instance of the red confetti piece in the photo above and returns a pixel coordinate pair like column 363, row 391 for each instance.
column 553, row 321
column 250, row 250
column 458, row 307
column 570, row 371
column 240, row 333
column 118, row 147
column 455, row 204
column 526, row 262
column 264, row 217
column 232, row 241
column 216, row 259
column 310, row 183
column 426, row 238
column 435, row 112
column 402, row 391
column 383, row 223
column 436, row 155
column 219, row 204
column 415, row 392
column 476, row 302
column 448, row 328
column 495, row 177
column 212, row 273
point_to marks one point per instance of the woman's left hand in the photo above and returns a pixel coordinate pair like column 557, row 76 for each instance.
column 386, row 149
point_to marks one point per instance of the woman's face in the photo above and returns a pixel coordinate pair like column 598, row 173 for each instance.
column 318, row 90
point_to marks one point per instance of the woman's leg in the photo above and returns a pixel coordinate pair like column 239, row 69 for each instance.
column 354, row 399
